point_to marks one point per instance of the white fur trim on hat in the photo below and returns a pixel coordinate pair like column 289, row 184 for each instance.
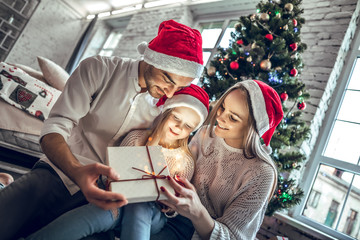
column 184, row 100
column 172, row 64
column 258, row 106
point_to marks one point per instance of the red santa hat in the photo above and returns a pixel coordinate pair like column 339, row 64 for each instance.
column 176, row 49
column 193, row 97
column 266, row 106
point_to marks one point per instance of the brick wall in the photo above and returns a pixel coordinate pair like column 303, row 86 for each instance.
column 329, row 28
column 52, row 32
column 328, row 31
column 144, row 25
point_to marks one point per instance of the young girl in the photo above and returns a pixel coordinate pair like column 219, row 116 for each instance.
column 234, row 176
column 182, row 114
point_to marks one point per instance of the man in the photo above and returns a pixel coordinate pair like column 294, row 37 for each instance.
column 103, row 100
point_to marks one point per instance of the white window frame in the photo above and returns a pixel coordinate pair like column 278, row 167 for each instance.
column 226, row 18
column 213, row 51
column 108, row 41
column 317, row 156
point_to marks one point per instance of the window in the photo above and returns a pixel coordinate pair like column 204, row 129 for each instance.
column 215, row 34
column 314, row 198
column 332, row 179
column 111, row 43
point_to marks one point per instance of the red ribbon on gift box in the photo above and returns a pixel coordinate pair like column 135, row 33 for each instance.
column 147, row 176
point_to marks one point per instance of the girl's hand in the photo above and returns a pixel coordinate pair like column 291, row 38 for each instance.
column 185, row 200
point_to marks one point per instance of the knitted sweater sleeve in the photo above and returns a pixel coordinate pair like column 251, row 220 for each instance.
column 244, row 211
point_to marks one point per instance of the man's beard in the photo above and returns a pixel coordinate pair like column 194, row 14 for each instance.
column 150, row 84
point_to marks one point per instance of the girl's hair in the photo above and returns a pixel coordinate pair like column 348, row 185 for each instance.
column 253, row 147
column 159, row 124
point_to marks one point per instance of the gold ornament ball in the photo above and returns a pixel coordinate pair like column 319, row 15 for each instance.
column 253, row 17
column 300, row 93
column 249, row 59
column 289, row 7
column 265, row 65
column 278, row 15
column 286, row 27
column 264, row 17
column 211, row 71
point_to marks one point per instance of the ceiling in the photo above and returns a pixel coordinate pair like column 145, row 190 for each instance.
column 201, row 8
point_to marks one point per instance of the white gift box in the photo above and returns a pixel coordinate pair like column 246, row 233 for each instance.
column 142, row 170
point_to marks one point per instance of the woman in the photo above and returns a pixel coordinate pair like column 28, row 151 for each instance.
column 234, row 177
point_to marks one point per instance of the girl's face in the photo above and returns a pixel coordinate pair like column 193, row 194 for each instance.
column 232, row 119
column 181, row 122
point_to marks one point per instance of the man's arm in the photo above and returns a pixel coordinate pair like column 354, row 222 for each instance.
column 85, row 176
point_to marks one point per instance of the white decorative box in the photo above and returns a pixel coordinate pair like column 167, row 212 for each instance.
column 142, row 170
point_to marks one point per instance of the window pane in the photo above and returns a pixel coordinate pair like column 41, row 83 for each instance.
column 206, row 56
column 210, row 33
column 332, row 185
column 225, row 41
column 113, row 40
column 350, row 222
column 210, row 36
column 106, row 53
column 347, row 111
column 354, row 80
column 344, row 142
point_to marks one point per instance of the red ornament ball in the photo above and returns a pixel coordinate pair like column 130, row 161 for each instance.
column 269, row 37
column 293, row 72
column 234, row 65
column 294, row 22
column 240, row 42
column 293, row 46
column 301, row 105
column 284, row 96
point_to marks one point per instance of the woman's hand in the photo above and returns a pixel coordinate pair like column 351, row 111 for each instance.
column 185, row 199
column 186, row 202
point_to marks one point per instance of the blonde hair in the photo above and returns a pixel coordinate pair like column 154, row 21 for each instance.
column 253, row 147
column 159, row 124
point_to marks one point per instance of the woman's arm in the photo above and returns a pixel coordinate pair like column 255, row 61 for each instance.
column 242, row 214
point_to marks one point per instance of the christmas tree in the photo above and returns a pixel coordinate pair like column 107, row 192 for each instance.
column 266, row 46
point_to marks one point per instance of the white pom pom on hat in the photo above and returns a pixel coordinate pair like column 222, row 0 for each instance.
column 141, row 47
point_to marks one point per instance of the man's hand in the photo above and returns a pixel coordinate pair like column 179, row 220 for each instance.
column 59, row 153
column 86, row 178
